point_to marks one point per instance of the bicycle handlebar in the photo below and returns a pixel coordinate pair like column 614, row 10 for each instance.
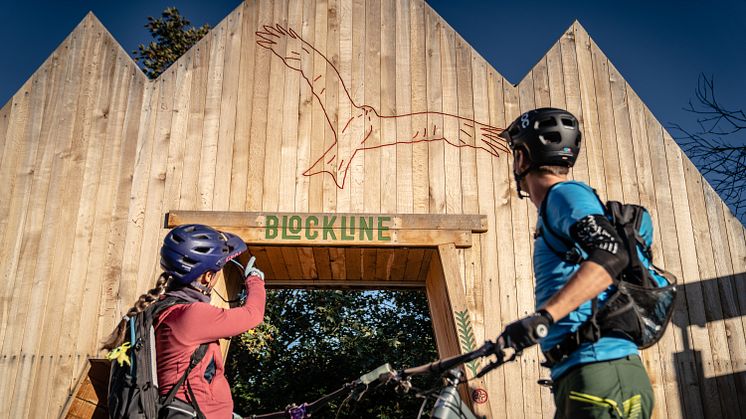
column 442, row 365
column 385, row 373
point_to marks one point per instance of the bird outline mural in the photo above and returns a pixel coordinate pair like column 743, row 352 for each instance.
column 294, row 51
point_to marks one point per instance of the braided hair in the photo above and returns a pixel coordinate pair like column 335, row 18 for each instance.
column 116, row 338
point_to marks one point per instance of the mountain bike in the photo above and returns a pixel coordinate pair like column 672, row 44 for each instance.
column 447, row 401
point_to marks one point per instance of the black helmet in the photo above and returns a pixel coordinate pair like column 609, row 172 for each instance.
column 550, row 136
column 190, row 250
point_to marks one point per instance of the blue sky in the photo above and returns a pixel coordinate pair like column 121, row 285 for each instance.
column 660, row 47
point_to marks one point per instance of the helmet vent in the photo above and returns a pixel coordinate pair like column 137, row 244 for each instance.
column 568, row 122
column 189, row 261
column 551, row 137
column 549, row 122
column 202, row 249
column 202, row 236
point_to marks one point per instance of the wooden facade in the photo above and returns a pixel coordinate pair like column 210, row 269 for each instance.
column 323, row 107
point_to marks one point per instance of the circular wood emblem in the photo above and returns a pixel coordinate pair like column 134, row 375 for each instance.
column 479, row 396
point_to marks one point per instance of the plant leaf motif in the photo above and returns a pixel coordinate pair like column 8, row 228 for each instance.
column 466, row 338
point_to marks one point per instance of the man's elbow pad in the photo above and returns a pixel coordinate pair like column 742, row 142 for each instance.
column 598, row 238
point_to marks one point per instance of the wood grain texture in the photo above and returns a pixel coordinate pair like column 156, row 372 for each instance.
column 402, row 116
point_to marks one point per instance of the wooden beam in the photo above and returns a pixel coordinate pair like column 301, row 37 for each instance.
column 339, row 229
column 475, row 223
column 341, row 283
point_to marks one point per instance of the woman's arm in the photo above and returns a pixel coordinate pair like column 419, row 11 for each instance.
column 203, row 322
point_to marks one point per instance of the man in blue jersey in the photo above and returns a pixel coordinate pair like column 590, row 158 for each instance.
column 577, row 252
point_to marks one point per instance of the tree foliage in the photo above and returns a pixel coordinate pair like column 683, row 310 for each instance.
column 172, row 35
column 321, row 340
column 718, row 145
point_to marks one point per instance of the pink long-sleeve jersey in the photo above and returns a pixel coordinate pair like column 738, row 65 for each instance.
column 182, row 328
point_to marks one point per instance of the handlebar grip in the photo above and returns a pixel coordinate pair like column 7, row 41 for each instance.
column 376, row 374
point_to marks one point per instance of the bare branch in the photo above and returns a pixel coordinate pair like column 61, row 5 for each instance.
column 721, row 160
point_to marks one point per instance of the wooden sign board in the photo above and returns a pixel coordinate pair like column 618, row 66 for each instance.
column 315, row 229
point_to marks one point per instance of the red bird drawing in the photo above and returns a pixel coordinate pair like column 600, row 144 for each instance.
column 298, row 55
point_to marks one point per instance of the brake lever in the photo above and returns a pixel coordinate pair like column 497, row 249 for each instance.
column 501, row 358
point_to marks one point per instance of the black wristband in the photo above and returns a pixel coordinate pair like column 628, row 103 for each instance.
column 544, row 313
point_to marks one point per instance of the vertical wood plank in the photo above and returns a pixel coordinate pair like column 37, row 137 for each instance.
column 722, row 258
column 97, row 184
column 419, row 85
column 239, row 179
column 515, row 247
column 189, row 189
column 305, row 112
column 716, row 347
column 278, row 73
column 404, row 199
column 607, row 132
column 484, row 279
column 372, row 154
column 334, row 91
column 27, row 151
column 542, row 98
column 153, row 231
column 572, row 98
column 346, row 107
column 264, row 61
column 524, row 225
column 59, row 213
column 388, row 154
column 319, row 122
column 661, row 370
column 23, row 126
column 591, row 130
column 737, row 243
column 228, row 100
column 109, row 307
column 676, row 227
column 451, row 97
column 289, row 144
column 211, row 122
column 436, row 149
column 497, row 249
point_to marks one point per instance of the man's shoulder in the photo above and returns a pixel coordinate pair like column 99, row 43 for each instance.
column 572, row 188
column 570, row 194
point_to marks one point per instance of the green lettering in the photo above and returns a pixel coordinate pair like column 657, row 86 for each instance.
column 285, row 228
column 381, row 229
column 270, row 227
column 351, row 234
column 295, row 225
column 366, row 228
column 310, row 234
column 329, row 227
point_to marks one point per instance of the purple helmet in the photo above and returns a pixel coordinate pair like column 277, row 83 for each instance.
column 190, row 250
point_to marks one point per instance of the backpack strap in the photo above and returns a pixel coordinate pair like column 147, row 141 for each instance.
column 195, row 359
column 197, row 356
column 572, row 254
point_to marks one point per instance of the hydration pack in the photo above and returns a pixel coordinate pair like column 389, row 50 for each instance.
column 133, row 380
column 641, row 301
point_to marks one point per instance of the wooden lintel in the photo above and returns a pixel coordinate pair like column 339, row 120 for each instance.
column 337, row 284
column 475, row 223
column 343, row 230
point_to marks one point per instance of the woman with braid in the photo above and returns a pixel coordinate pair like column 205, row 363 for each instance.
column 191, row 257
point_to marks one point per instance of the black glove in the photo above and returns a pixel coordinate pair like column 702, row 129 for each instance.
column 527, row 331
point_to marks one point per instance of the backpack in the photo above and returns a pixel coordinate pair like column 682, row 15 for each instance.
column 133, row 379
column 641, row 302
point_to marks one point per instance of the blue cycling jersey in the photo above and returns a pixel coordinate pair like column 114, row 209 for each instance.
column 568, row 202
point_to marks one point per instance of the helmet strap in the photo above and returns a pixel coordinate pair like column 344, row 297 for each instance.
column 518, row 178
column 205, row 290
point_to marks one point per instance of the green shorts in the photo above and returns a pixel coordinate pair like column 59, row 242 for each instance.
column 609, row 389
